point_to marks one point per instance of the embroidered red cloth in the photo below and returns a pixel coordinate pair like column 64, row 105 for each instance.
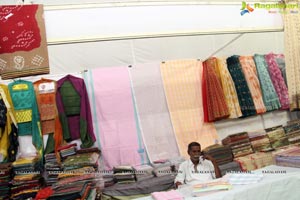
column 23, row 46
column 19, row 28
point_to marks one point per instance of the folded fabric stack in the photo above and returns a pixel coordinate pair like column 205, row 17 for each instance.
column 108, row 177
column 52, row 168
column 239, row 144
column 246, row 163
column 260, row 141
column 162, row 169
column 229, row 167
column 81, row 160
column 292, row 131
column 79, row 177
column 143, row 172
column 222, row 154
column 169, row 195
column 243, row 178
column 210, row 187
column 75, row 190
column 277, row 137
column 67, row 150
column 262, row 159
column 27, row 179
column 124, row 174
column 5, row 178
column 255, row 161
column 289, row 157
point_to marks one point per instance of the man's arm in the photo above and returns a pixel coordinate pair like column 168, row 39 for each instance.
column 216, row 166
column 179, row 180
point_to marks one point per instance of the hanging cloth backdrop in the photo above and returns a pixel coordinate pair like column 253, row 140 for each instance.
column 249, row 70
column 270, row 96
column 23, row 47
column 242, row 89
column 278, row 81
column 183, row 92
column 229, row 89
column 114, row 117
column 156, row 126
column 292, row 56
column 215, row 100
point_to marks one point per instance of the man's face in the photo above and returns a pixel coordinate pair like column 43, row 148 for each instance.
column 195, row 153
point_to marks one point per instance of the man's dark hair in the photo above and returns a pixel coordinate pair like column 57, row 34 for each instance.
column 193, row 144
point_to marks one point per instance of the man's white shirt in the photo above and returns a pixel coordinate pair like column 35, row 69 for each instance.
column 188, row 175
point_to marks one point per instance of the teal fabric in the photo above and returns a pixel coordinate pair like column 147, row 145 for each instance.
column 270, row 96
column 25, row 99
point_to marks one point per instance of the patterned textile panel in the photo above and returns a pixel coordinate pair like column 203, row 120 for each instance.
column 23, row 46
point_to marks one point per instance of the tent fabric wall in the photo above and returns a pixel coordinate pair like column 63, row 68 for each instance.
column 71, row 58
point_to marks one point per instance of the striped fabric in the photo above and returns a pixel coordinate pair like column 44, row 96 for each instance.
column 249, row 70
column 229, row 89
column 152, row 109
column 216, row 104
column 182, row 85
column 277, row 80
column 242, row 89
column 270, row 96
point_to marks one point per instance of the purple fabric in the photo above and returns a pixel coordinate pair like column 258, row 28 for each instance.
column 85, row 110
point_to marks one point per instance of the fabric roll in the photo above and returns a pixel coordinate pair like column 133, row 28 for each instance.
column 229, row 89
column 249, row 70
column 181, row 79
column 114, row 117
column 278, row 81
column 152, row 109
column 270, row 96
column 216, row 103
column 242, row 89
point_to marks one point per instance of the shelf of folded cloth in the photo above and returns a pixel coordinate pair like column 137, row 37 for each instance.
column 239, row 143
column 222, row 154
column 144, row 187
column 5, row 178
column 277, row 137
column 289, row 157
column 292, row 131
column 233, row 166
column 27, row 178
column 255, row 161
column 260, row 141
column 79, row 176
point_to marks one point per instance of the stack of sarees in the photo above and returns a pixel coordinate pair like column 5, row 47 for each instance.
column 292, row 131
column 260, row 141
column 239, row 144
column 277, row 137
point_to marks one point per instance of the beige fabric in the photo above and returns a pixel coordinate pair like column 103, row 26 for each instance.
column 229, row 89
column 181, row 80
column 292, row 55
